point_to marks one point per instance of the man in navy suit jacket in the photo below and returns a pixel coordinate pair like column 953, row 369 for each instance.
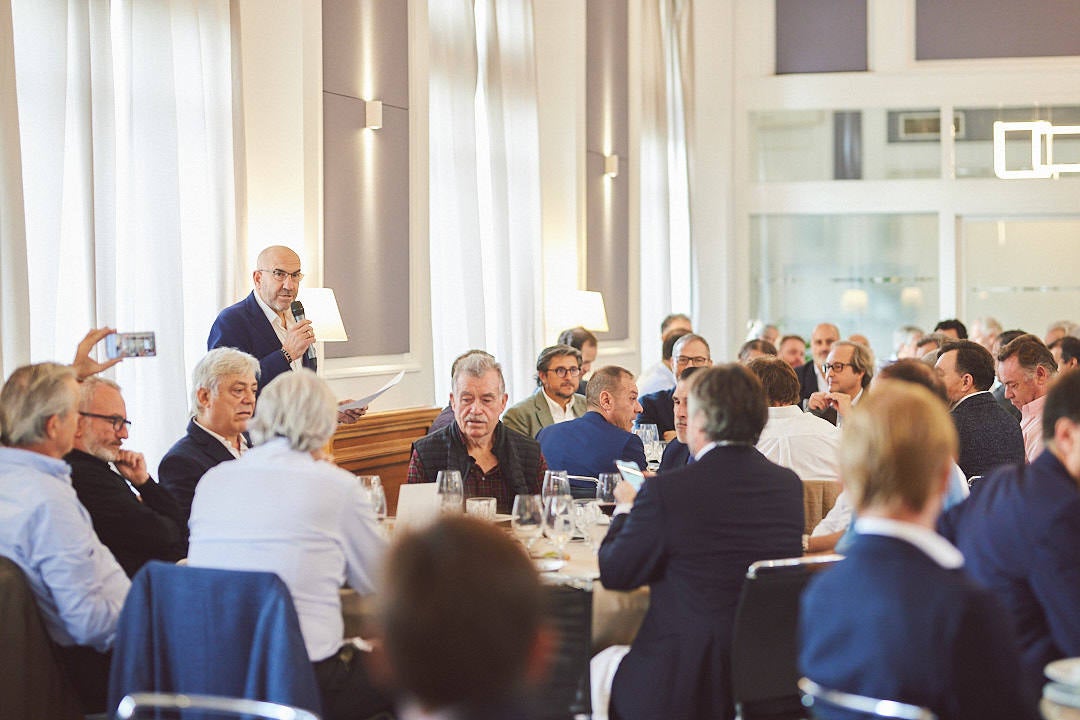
column 690, row 536
column 677, row 452
column 262, row 324
column 1020, row 535
column 989, row 436
column 898, row 619
column 590, row 445
column 222, row 401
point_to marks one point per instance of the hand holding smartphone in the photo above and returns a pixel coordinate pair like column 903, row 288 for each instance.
column 133, row 344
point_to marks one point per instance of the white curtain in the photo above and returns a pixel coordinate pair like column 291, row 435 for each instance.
column 485, row 187
column 124, row 112
column 667, row 82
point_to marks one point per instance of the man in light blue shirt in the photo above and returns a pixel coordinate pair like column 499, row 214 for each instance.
column 78, row 585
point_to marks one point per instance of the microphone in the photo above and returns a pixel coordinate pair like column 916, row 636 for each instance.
column 297, row 308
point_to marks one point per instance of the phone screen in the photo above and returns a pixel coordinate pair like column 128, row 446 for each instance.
column 631, row 473
column 134, row 344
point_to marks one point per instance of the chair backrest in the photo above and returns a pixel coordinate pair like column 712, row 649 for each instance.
column 204, row 707
column 33, row 683
column 817, row 697
column 206, row 631
column 566, row 692
column 764, row 649
column 582, row 486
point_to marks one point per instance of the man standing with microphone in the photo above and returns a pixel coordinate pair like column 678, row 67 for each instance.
column 270, row 324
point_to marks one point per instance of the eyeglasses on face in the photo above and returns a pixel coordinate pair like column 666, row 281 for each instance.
column 117, row 421
column 280, row 274
column 564, row 371
column 836, row 367
column 692, row 360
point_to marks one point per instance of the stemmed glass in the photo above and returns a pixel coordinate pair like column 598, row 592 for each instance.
column 605, row 491
column 587, row 516
column 450, row 491
column 526, row 519
column 559, row 521
column 650, row 438
column 556, row 482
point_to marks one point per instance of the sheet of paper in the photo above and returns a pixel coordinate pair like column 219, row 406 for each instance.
column 365, row 401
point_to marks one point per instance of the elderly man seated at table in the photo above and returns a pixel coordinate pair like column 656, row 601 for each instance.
column 281, row 508
column 494, row 461
column 223, row 388
column 462, row 615
column 690, row 535
column 898, row 619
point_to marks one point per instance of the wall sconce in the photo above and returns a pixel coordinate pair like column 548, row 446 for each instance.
column 611, row 165
column 1041, row 133
column 373, row 114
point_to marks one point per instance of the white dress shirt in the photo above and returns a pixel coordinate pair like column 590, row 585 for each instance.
column 236, row 453
column 801, row 441
column 280, row 510
column 658, row 377
column 558, row 414
column 280, row 328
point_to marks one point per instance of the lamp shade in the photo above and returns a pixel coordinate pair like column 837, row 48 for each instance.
column 321, row 308
column 578, row 307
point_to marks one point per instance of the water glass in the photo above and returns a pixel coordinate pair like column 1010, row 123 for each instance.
column 450, row 491
column 556, row 482
column 559, row 521
column 650, row 438
column 527, row 519
column 481, row 507
column 587, row 516
column 367, row 482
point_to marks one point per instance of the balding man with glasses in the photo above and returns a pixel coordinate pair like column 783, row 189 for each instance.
column 690, row 350
column 558, row 371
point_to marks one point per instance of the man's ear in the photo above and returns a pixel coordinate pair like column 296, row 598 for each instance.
column 202, row 397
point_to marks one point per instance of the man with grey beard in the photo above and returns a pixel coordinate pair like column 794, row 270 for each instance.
column 136, row 528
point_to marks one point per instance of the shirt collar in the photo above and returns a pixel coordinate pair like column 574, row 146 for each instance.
column 785, row 411
column 1035, row 407
column 977, row 392
column 701, row 453
column 268, row 311
column 929, row 542
column 38, row 461
column 556, row 409
column 224, row 440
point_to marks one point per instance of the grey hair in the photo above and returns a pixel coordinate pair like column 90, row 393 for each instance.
column 477, row 365
column 689, row 337
column 215, row 365
column 297, row 406
column 32, row 395
column 89, row 386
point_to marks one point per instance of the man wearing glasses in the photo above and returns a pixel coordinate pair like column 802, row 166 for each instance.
column 558, row 370
column 149, row 526
column 848, row 370
column 262, row 324
column 689, row 351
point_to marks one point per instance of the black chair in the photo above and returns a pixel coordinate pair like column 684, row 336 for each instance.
column 819, row 697
column 566, row 692
column 764, row 651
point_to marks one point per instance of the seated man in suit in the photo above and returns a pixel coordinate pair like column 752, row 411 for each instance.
column 989, row 436
column 494, row 461
column 591, row 444
column 1066, row 351
column 689, row 350
column 849, row 367
column 811, row 375
column 1020, row 535
column 677, row 452
column 898, row 619
column 463, row 620
column 136, row 529
column 224, row 384
column 558, row 369
column 1026, row 367
column 690, row 535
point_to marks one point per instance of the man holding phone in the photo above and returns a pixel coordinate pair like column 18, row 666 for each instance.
column 690, row 535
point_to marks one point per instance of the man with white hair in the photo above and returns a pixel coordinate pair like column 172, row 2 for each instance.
column 136, row 529
column 283, row 508
column 223, row 388
column 78, row 585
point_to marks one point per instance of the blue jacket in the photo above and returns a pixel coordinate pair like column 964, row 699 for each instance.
column 1020, row 536
column 589, row 445
column 187, row 461
column 657, row 409
column 891, row 623
column 244, row 326
column 212, row 632
column 989, row 436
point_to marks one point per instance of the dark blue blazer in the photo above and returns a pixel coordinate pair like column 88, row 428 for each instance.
column 211, row 632
column 690, row 537
column 1020, row 536
column 676, row 455
column 890, row 623
column 807, row 380
column 989, row 436
column 244, row 326
column 657, row 409
column 589, row 445
column 187, row 461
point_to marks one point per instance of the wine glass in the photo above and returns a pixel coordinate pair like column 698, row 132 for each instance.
column 368, row 482
column 378, row 500
column 559, row 521
column 587, row 516
column 650, row 438
column 556, row 482
column 605, row 491
column 526, row 519
column 450, row 491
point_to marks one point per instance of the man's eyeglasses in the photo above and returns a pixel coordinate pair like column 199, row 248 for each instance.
column 564, row 371
column 280, row 274
column 694, row 360
column 118, row 422
column 836, row 367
